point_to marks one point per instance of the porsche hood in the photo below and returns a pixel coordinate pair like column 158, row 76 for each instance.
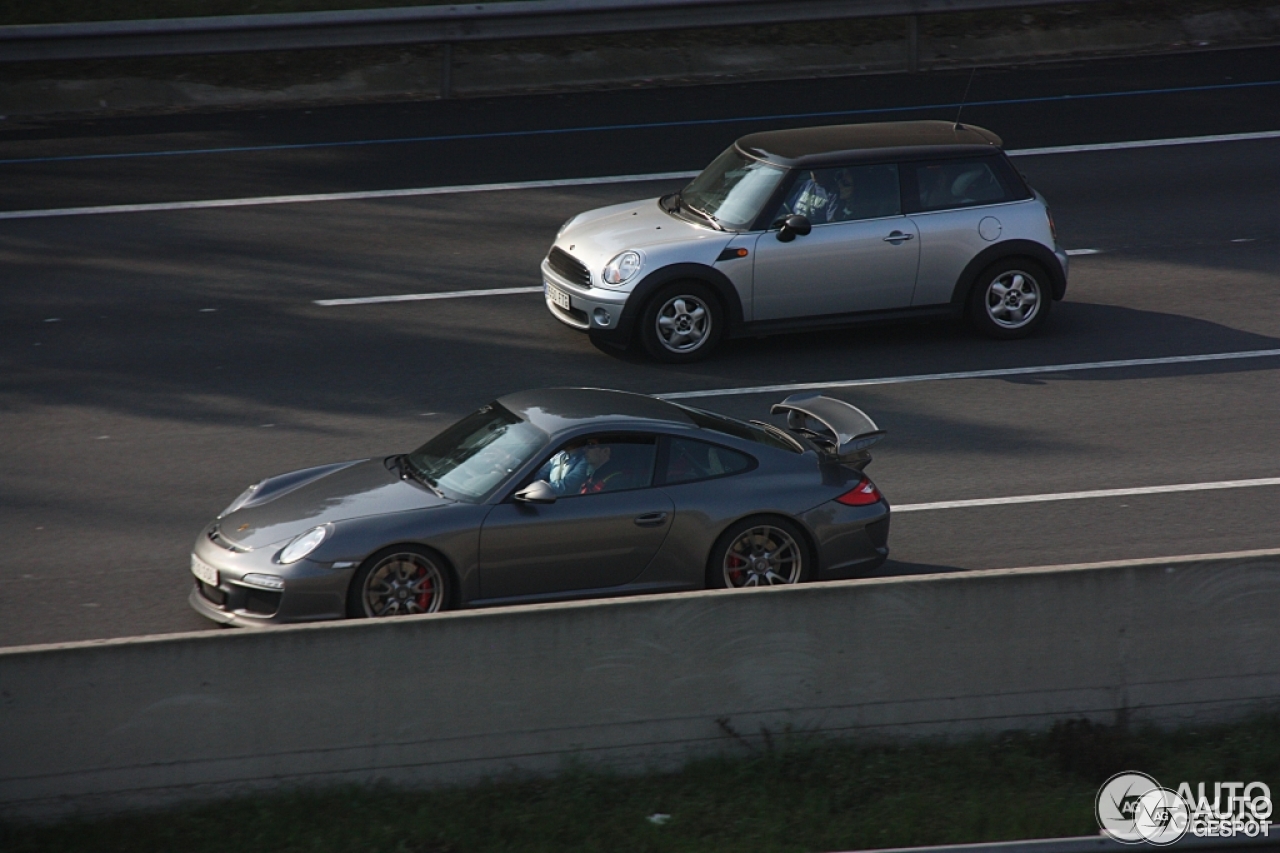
column 335, row 493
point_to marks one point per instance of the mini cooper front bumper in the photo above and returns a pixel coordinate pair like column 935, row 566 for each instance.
column 583, row 308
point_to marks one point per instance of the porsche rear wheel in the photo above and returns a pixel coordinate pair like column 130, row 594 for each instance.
column 759, row 552
column 400, row 581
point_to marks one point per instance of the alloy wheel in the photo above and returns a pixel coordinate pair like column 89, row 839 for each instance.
column 1013, row 299
column 683, row 323
column 763, row 556
column 403, row 584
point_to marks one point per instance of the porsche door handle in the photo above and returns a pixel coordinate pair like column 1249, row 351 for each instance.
column 896, row 236
column 651, row 519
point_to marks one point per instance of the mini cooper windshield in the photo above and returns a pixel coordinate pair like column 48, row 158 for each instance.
column 732, row 190
column 470, row 458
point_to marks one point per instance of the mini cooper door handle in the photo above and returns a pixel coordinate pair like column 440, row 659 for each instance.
column 898, row 236
column 651, row 519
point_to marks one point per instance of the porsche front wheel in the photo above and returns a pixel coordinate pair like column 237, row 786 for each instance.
column 400, row 581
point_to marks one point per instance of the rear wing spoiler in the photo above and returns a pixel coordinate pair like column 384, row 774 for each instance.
column 838, row 429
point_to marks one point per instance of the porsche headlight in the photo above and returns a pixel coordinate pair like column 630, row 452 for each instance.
column 303, row 545
column 245, row 497
column 622, row 268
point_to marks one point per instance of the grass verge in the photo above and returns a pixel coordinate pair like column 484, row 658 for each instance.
column 793, row 793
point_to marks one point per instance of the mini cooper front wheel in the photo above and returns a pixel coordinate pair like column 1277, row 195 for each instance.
column 759, row 552
column 1010, row 299
column 682, row 322
column 399, row 581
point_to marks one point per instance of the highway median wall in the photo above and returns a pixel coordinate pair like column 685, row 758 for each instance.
column 634, row 683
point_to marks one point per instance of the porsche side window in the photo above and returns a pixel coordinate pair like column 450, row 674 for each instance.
column 689, row 460
column 600, row 464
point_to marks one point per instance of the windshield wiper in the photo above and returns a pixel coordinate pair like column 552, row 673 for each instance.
column 714, row 222
column 407, row 469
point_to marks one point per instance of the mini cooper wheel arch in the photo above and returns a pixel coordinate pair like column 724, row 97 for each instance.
column 710, row 276
column 1010, row 249
column 402, row 586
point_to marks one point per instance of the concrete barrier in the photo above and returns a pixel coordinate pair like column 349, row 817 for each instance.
column 105, row 726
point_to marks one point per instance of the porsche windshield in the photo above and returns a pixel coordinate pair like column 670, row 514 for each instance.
column 733, row 189
column 470, row 458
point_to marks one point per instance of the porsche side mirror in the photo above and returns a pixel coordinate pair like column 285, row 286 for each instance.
column 792, row 227
column 537, row 492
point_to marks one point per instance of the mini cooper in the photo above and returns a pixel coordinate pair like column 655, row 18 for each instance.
column 814, row 227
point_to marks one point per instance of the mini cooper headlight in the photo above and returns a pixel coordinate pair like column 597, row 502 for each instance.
column 245, row 497
column 303, row 545
column 622, row 268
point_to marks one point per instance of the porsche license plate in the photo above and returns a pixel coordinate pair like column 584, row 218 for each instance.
column 204, row 571
column 558, row 296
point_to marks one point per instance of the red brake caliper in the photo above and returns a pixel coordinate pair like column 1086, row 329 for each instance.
column 425, row 598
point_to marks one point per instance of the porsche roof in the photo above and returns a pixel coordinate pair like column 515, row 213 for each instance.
column 555, row 409
column 850, row 143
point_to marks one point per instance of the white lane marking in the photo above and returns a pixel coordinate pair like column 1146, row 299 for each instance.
column 419, row 297
column 973, row 374
column 350, row 196
column 1095, row 493
column 533, row 185
column 1146, row 143
column 1084, row 251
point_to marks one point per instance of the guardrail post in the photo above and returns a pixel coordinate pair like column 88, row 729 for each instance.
column 446, row 70
column 913, row 43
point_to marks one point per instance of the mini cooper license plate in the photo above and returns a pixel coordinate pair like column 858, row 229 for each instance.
column 204, row 571
column 558, row 296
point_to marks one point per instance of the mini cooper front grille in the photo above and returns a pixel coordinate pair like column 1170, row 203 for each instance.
column 568, row 266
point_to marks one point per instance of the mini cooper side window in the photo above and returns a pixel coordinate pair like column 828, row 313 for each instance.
column 605, row 463
column 843, row 194
column 689, row 460
column 957, row 183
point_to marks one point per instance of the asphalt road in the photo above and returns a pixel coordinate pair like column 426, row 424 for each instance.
column 153, row 364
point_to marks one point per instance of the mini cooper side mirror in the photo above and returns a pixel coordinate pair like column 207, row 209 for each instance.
column 792, row 227
column 537, row 492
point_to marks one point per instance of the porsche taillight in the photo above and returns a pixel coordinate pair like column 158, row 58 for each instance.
column 863, row 494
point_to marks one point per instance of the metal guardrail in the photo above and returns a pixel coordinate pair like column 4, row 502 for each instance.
column 444, row 24
column 448, row 25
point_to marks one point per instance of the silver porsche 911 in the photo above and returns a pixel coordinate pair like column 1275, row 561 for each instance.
column 553, row 494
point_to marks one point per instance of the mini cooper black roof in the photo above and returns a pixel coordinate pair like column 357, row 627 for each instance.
column 840, row 144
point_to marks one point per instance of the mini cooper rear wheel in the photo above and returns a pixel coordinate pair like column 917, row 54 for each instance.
column 1010, row 299
column 759, row 552
column 399, row 581
column 682, row 322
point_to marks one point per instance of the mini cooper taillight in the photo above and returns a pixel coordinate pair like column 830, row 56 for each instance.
column 863, row 494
